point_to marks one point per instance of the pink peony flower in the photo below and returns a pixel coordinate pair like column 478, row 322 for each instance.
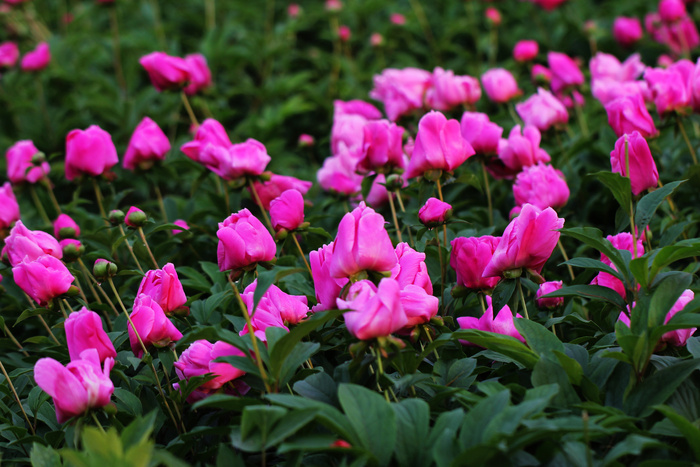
column 199, row 73
column 642, row 169
column 84, row 331
column 627, row 31
column 20, row 167
column 374, row 311
column 9, row 209
column 500, row 85
column 542, row 186
column 147, row 145
column 287, row 211
column 89, row 152
column 481, row 133
column 153, row 327
column 542, row 110
column 243, row 241
column 469, row 258
column 165, row 71
column 164, row 286
column 37, row 59
column 43, row 278
column 501, row 324
column 547, row 288
column 525, row 50
column 401, row 91
column 448, row 91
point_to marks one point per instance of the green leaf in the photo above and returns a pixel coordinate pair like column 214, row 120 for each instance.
column 594, row 238
column 139, row 430
column 293, row 360
column 127, row 401
column 595, row 292
column 265, row 280
column 413, row 426
column 669, row 254
column 633, row 445
column 647, row 206
column 29, row 313
column 502, row 293
column 618, row 185
column 685, row 426
column 655, row 389
column 541, row 340
column 372, row 418
column 472, row 432
column 319, row 386
column 548, row 372
column 596, row 265
column 44, row 456
column 506, row 345
column 288, row 425
column 225, row 402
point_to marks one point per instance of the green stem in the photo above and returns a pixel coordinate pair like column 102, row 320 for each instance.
column 19, row 402
column 99, row 198
column 12, row 337
column 687, row 142
column 188, row 107
column 566, row 258
column 393, row 216
column 148, row 248
column 97, row 422
column 522, row 299
column 260, row 204
column 301, row 252
column 114, row 25
column 131, row 250
column 488, row 191
column 442, row 267
column 39, row 206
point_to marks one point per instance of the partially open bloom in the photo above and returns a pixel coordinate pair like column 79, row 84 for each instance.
column 243, row 241
column 344, row 33
column 565, row 71
column 81, row 385
column 276, row 185
column 362, row 244
column 84, row 331
column 199, row 359
column 439, row 146
column 447, row 90
column 411, row 268
column 9, row 54
column 671, row 11
column 500, row 85
column 642, row 168
column 89, row 152
column 165, row 71
column 327, row 288
column 540, row 74
column 287, row 211
column 147, row 145
column 349, row 119
column 65, row 227
column 9, row 209
column 401, row 91
column 527, row 242
column 291, row 308
column 237, row 160
column 306, row 140
column 382, row 146
column 24, row 244
column 199, row 73
column 434, row 212
column 375, row 311
column 20, row 167
column 154, row 328
column 541, row 185
column 481, row 133
column 628, row 113
column 164, row 286
column 522, row 149
column 43, row 278
column 209, row 132
column 627, row 31
column 670, row 87
column 548, row 4
column 37, row 59
column 469, row 258
column 525, row 50
column 338, row 175
column 501, row 324
column 493, row 16
column 547, row 288
column 543, row 110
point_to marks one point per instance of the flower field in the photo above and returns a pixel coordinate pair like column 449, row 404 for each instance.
column 349, row 232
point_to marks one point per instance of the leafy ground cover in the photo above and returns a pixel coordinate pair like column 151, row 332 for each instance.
column 349, row 233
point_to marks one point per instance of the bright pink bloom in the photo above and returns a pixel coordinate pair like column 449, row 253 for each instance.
column 670, row 87
column 147, row 145
column 89, row 152
column 375, row 311
column 153, row 326
column 419, row 305
column 209, row 132
column 411, row 268
column 664, row 61
column 500, row 85
column 267, row 315
column 565, row 71
column 62, row 223
column 525, row 50
column 37, row 59
column 9, row 209
column 164, row 286
column 20, row 167
column 237, row 160
column 306, row 141
column 243, row 241
column 541, row 74
column 43, row 278
column 628, row 113
column 378, row 194
column 349, row 118
column 527, row 242
column 547, row 288
column 397, row 19
column 382, row 146
column 338, row 175
column 671, row 11
column 481, row 133
column 287, row 211
column 362, row 244
column 198, row 360
column 291, row 308
column 181, row 223
column 679, row 337
column 344, row 33
column 276, row 185
column 522, row 149
column 327, row 287
column 401, row 91
column 469, row 258
column 643, row 173
column 165, row 71
column 493, row 16
column 627, row 31
column 199, row 73
column 81, row 385
column 9, row 54
column 542, row 110
column 541, row 185
column 434, row 212
column 27, row 245
column 606, row 66
column 502, row 324
column 439, row 146
column 84, row 331
column 448, row 91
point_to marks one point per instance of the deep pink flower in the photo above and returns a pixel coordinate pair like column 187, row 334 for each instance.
column 276, row 185
column 306, row 141
column 375, row 311
column 27, row 245
column 397, row 19
column 527, row 242
column 481, row 133
column 525, row 50
column 89, row 152
column 418, row 305
column 9, row 209
column 61, row 225
column 293, row 10
column 164, row 286
column 439, row 146
column 522, row 149
column 243, row 241
column 627, row 31
column 469, row 258
column 642, row 168
column 291, row 308
column 376, row 39
column 84, row 331
column 349, row 118
column 344, row 33
column 338, row 175
column 43, row 278
column 287, row 211
column 434, row 212
column 165, row 71
column 670, row 86
column 447, row 90
column 9, row 54
column 541, row 185
column 268, row 314
column 237, row 160
column 679, row 337
column 547, row 288
column 147, row 145
column 401, row 91
column 621, row 241
column 37, row 59
column 154, row 328
column 541, row 74
column 542, row 110
column 20, row 167
column 81, row 385
column 209, row 132
column 671, row 11
column 382, row 146
column 565, row 71
column 180, row 223
column 198, row 360
column 500, row 85
column 199, row 73
column 628, row 113
column 606, row 66
column 411, row 268
column 502, row 324
column 327, row 288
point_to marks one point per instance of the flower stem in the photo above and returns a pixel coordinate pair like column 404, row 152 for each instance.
column 487, row 188
column 52, row 196
column 301, row 252
column 444, row 227
column 687, row 142
column 9, row 334
column 63, row 311
column 19, row 402
column 210, row 14
column 148, row 248
column 97, row 422
column 581, row 118
column 161, row 204
column 393, row 216
column 41, row 318
column 39, row 206
column 633, row 227
column 380, row 371
column 251, row 332
column 91, row 280
column 442, row 267
column 131, row 250
column 403, row 209
column 566, row 258
column 260, row 204
column 98, row 197
column 522, row 299
column 481, row 300
column 188, row 107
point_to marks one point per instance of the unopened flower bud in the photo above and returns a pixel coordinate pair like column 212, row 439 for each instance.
column 116, row 217
column 135, row 217
column 38, row 158
column 103, row 269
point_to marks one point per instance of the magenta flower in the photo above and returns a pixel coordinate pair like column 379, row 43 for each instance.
column 502, row 324
column 153, row 327
column 9, row 54
column 209, row 132
column 327, row 288
column 9, row 209
column 627, row 31
column 525, row 50
column 20, row 167
column 565, row 71
column 84, row 331
column 236, row 160
column 382, row 146
column 276, row 185
column 500, row 85
column 65, row 227
column 411, row 268
column 165, row 71
column 27, row 245
column 447, row 90
column 89, row 152
column 543, row 110
column 199, row 73
column 43, row 278
column 291, row 308
column 642, row 168
column 180, row 223
column 147, row 145
column 243, row 241
column 469, row 258
column 374, row 311
column 401, row 91
column 481, row 133
column 37, row 59
column 434, row 212
column 547, row 288
column 542, row 186
column 628, row 113
column 287, row 211
column 164, row 286
column 522, row 149
column 198, row 360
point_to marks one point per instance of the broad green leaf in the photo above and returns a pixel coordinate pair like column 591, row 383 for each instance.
column 413, row 426
column 595, row 292
column 502, row 293
column 685, row 426
column 594, row 238
column 618, row 185
column 479, row 417
column 541, row 340
column 655, row 389
column 646, row 207
column 596, row 265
